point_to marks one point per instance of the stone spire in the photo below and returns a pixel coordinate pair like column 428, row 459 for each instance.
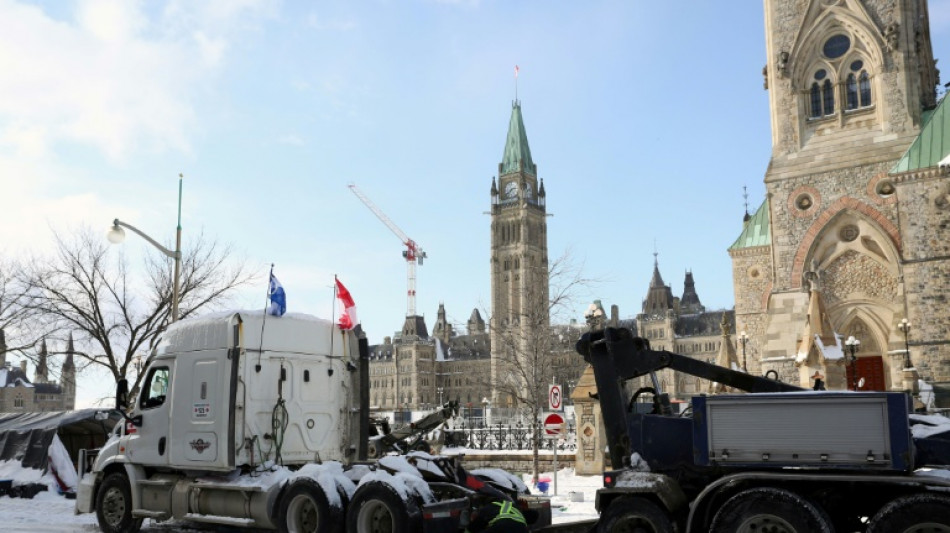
column 68, row 379
column 42, row 369
column 727, row 357
column 819, row 341
column 660, row 297
column 442, row 329
column 689, row 303
column 476, row 325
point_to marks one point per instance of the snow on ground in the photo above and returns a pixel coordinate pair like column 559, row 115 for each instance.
column 50, row 512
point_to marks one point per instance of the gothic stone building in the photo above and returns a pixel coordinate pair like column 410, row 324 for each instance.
column 415, row 370
column 683, row 325
column 19, row 394
column 852, row 237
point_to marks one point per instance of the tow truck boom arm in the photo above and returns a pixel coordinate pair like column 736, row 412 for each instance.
column 631, row 357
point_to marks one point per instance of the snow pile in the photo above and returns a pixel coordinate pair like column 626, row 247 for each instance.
column 636, row 480
column 923, row 426
column 502, row 478
column 60, row 475
column 329, row 476
column 638, row 463
column 426, row 462
column 405, row 484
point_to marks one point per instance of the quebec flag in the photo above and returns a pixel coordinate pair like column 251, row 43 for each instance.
column 277, row 297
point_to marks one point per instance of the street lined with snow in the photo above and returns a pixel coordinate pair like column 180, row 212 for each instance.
column 50, row 512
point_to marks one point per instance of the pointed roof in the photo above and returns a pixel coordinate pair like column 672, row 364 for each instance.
column 690, row 300
column 727, row 357
column 69, row 365
column 819, row 341
column 657, row 280
column 516, row 146
column 659, row 296
column 41, row 364
column 757, row 231
column 931, row 145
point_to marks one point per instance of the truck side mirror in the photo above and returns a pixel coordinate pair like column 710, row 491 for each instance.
column 122, row 395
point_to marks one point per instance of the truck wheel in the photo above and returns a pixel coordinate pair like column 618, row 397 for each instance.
column 769, row 509
column 304, row 508
column 114, row 505
column 917, row 512
column 634, row 515
column 377, row 508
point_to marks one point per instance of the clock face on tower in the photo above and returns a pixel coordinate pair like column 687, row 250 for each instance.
column 511, row 190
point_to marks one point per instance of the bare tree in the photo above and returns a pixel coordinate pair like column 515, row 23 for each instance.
column 524, row 346
column 87, row 290
column 17, row 337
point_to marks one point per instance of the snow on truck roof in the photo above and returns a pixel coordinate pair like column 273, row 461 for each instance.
column 293, row 333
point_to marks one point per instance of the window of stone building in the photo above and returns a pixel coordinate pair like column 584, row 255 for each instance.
column 858, row 86
column 822, row 95
column 18, row 402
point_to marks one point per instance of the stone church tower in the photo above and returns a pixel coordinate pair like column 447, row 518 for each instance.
column 855, row 197
column 519, row 256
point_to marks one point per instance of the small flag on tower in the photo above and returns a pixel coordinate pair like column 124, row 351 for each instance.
column 277, row 297
column 516, row 71
column 348, row 318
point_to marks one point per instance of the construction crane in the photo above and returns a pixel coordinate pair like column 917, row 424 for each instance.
column 412, row 254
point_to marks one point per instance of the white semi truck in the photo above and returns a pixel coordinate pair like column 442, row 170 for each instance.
column 256, row 421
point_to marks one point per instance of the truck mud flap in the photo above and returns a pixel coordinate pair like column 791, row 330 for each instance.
column 537, row 510
column 448, row 516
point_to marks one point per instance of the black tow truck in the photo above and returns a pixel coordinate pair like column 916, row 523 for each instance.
column 778, row 458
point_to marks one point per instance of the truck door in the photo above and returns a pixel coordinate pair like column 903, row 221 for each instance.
column 202, row 417
column 149, row 445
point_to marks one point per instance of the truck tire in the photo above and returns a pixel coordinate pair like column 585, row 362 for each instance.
column 377, row 508
column 304, row 508
column 769, row 509
column 916, row 512
column 631, row 514
column 114, row 505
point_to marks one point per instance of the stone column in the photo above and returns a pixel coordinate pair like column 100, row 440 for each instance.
column 591, row 436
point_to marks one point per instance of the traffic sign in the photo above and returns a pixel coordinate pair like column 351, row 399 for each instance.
column 553, row 424
column 554, row 397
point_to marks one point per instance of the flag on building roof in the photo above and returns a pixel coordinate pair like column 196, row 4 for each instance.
column 277, row 297
column 348, row 318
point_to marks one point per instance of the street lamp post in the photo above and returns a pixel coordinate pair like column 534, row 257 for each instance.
column 743, row 338
column 116, row 235
column 852, row 345
column 904, row 326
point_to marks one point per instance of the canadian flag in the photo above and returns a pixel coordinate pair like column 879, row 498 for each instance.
column 348, row 318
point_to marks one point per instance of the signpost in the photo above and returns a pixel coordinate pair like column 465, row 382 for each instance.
column 553, row 428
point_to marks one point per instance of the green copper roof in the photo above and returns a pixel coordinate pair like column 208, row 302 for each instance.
column 516, row 146
column 757, row 231
column 933, row 143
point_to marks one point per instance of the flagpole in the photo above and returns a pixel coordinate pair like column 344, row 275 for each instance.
column 333, row 314
column 260, row 349
column 516, row 83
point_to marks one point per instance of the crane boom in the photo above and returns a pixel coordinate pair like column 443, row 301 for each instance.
column 412, row 254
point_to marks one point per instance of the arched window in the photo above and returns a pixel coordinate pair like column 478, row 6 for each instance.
column 858, row 86
column 864, row 84
column 821, row 95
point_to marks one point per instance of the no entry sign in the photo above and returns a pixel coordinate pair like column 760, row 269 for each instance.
column 553, row 424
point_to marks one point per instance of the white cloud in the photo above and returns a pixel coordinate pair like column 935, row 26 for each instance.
column 319, row 23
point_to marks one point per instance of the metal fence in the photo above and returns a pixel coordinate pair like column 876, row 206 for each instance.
column 477, row 435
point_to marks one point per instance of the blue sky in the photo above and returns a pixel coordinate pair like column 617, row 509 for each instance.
column 645, row 118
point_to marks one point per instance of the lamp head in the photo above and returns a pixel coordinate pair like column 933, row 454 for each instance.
column 115, row 234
